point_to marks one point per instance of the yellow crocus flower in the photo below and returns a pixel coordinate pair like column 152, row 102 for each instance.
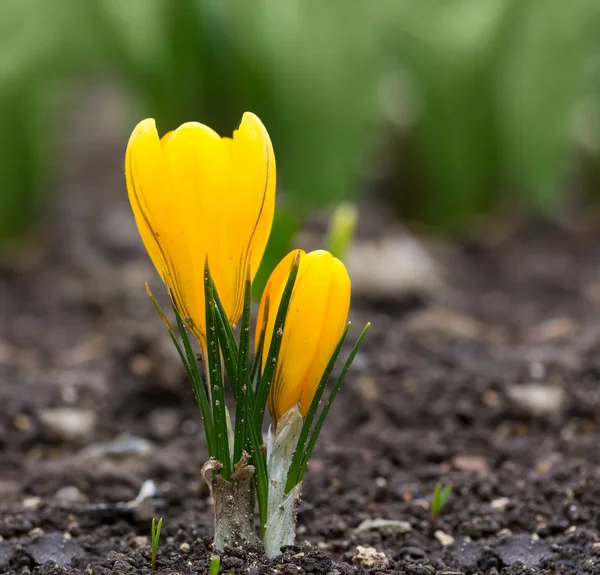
column 315, row 321
column 196, row 195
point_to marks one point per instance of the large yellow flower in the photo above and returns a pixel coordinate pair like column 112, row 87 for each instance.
column 197, row 195
column 315, row 321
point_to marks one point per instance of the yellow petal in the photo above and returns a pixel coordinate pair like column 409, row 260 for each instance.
column 146, row 183
column 250, row 208
column 332, row 326
column 166, row 138
column 302, row 329
column 198, row 164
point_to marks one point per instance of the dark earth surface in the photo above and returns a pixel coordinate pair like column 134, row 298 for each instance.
column 489, row 382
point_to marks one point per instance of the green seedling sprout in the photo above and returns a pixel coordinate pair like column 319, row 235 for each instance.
column 156, row 527
column 341, row 230
column 439, row 500
column 215, row 565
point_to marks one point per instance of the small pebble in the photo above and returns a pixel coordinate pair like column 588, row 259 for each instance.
column 501, row 503
column 537, row 399
column 32, row 503
column 491, row 398
column 68, row 423
column 185, row 547
column 70, row 494
column 22, row 422
column 392, row 267
column 140, row 365
column 471, row 463
column 381, row 482
column 139, row 541
column 369, row 557
column 445, row 539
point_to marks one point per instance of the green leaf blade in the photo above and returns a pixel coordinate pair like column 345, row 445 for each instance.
column 215, row 377
column 244, row 389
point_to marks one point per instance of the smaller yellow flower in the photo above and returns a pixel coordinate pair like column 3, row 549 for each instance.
column 315, row 321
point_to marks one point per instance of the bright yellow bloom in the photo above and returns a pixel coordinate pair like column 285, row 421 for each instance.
column 195, row 194
column 316, row 318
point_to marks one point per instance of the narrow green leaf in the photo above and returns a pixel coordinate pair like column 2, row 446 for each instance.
column 221, row 311
column 155, row 538
column 229, row 349
column 255, row 372
column 267, row 377
column 444, row 495
column 159, row 310
column 435, row 501
column 325, row 411
column 215, row 377
column 439, row 500
column 292, row 478
column 256, row 364
column 227, row 336
column 241, row 410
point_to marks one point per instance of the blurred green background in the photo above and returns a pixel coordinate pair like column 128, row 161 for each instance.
column 462, row 105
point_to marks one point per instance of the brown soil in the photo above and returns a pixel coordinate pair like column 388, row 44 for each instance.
column 441, row 392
